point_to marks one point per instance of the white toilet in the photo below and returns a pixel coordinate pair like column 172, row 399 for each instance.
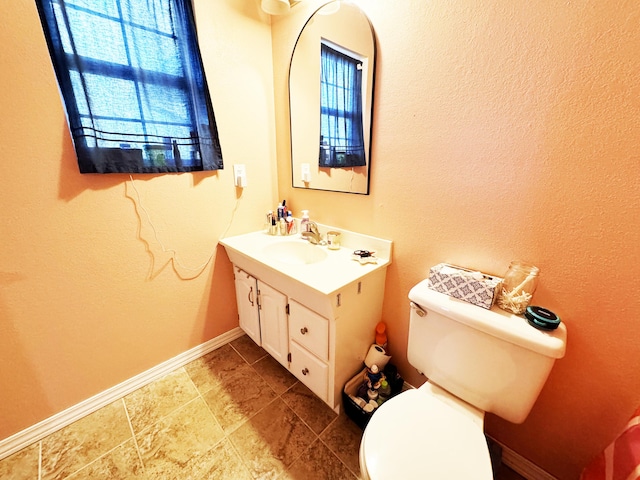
column 476, row 361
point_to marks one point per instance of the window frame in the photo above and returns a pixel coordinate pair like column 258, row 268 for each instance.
column 122, row 158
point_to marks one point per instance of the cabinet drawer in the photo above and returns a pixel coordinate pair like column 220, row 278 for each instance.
column 310, row 370
column 309, row 329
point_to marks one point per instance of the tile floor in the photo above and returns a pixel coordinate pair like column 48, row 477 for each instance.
column 234, row 413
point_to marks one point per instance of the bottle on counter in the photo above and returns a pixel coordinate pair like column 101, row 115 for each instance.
column 304, row 223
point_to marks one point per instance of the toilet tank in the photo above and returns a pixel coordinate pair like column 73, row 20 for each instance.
column 491, row 359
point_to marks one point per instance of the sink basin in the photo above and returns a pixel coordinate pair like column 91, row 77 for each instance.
column 292, row 264
column 296, row 252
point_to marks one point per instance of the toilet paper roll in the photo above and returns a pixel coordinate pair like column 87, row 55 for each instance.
column 376, row 356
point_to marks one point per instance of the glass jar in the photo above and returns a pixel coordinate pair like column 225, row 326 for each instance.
column 518, row 286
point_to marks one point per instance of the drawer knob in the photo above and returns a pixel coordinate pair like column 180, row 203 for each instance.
column 304, row 330
column 305, row 371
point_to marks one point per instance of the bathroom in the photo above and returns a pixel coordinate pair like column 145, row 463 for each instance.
column 501, row 131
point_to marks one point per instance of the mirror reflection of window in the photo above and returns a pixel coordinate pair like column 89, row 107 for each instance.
column 341, row 126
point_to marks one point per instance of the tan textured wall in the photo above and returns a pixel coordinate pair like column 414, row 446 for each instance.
column 501, row 131
column 88, row 298
column 508, row 130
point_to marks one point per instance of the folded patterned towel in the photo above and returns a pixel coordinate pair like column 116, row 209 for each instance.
column 621, row 459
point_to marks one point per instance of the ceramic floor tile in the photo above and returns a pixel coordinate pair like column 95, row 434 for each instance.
column 67, row 450
column 278, row 377
column 221, row 462
column 150, row 403
column 122, row 462
column 22, row 465
column 313, row 411
column 317, row 463
column 272, row 440
column 238, row 398
column 271, row 423
column 207, row 371
column 343, row 439
column 248, row 349
column 178, row 442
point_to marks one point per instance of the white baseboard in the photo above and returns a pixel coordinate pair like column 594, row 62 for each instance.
column 28, row 436
column 522, row 466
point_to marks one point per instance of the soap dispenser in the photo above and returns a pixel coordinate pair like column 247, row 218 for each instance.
column 304, row 223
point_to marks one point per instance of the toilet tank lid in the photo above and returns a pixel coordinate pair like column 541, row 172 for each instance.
column 496, row 322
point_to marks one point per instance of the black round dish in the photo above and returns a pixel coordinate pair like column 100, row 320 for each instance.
column 542, row 318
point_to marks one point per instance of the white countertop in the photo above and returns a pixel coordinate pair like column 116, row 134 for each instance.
column 326, row 276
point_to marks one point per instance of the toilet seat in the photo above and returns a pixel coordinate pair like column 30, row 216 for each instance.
column 416, row 435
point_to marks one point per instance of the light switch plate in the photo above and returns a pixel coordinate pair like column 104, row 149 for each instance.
column 305, row 172
column 240, row 175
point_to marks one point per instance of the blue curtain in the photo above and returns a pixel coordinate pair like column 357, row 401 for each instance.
column 341, row 129
column 132, row 80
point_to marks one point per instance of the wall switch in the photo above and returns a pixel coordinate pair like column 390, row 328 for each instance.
column 305, row 172
column 240, row 175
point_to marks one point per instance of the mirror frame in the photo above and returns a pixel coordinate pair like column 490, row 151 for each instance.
column 324, row 176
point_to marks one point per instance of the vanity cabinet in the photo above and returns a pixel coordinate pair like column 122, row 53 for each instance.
column 262, row 312
column 320, row 339
column 295, row 336
column 313, row 309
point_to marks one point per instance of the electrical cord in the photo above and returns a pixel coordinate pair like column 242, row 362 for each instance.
column 174, row 254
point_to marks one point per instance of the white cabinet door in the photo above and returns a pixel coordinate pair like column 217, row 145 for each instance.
column 247, row 298
column 273, row 322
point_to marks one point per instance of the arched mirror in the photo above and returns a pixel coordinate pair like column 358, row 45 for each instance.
column 331, row 100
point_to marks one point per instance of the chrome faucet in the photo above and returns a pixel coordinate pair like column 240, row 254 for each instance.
column 313, row 235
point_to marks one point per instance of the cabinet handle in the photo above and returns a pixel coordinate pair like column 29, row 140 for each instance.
column 250, row 296
column 304, row 330
column 305, row 371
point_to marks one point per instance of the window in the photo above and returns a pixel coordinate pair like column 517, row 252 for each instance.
column 341, row 130
column 132, row 81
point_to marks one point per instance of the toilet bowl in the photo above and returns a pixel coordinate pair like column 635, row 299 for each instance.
column 476, row 360
column 422, row 434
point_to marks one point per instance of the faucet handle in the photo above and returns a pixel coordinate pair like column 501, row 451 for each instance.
column 311, row 237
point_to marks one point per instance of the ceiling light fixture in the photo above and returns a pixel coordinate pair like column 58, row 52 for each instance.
column 278, row 7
